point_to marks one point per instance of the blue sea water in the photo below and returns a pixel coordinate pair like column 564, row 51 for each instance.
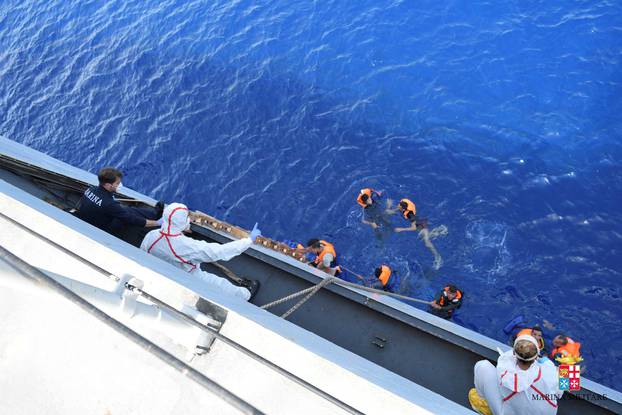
column 501, row 120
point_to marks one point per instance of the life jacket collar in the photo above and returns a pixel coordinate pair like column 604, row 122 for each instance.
column 367, row 191
column 570, row 349
column 410, row 207
column 446, row 295
column 328, row 248
column 385, row 274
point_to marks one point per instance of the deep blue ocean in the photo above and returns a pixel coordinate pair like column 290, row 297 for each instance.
column 501, row 120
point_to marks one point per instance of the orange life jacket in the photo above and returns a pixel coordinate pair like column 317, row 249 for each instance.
column 328, row 249
column 530, row 333
column 572, row 348
column 441, row 302
column 367, row 191
column 385, row 274
column 409, row 208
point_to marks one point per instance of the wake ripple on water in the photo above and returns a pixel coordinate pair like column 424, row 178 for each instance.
column 489, row 254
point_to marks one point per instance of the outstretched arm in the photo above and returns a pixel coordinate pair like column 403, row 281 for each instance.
column 212, row 252
column 390, row 209
column 303, row 250
column 372, row 224
column 413, row 223
column 412, row 227
column 434, row 303
column 128, row 217
column 152, row 223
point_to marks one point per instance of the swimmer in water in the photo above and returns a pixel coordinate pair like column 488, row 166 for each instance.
column 409, row 211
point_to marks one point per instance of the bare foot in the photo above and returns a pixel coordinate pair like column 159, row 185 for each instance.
column 438, row 231
column 438, row 263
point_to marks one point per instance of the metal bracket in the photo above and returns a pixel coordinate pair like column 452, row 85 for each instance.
column 379, row 342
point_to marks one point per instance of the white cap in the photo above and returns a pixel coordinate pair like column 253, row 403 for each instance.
column 529, row 338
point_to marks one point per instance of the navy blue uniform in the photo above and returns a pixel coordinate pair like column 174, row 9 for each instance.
column 99, row 208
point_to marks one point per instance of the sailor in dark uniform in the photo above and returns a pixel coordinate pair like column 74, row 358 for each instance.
column 99, row 208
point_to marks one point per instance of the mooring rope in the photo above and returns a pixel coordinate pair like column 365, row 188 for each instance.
column 311, row 291
column 317, row 288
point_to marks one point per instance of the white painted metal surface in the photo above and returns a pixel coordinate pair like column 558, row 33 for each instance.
column 56, row 360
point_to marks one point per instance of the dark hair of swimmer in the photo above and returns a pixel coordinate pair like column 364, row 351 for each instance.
column 377, row 272
column 403, row 205
column 561, row 338
column 452, row 288
column 364, row 198
column 313, row 243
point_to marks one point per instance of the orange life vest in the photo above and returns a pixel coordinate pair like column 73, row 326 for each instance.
column 572, row 348
column 441, row 302
column 385, row 274
column 328, row 249
column 367, row 191
column 409, row 208
column 530, row 333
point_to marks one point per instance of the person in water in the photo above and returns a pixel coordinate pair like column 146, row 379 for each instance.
column 446, row 302
column 385, row 279
column 535, row 332
column 408, row 210
column 98, row 206
column 565, row 350
column 372, row 211
column 325, row 256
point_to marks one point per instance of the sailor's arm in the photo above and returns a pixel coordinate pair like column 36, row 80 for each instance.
column 212, row 252
column 127, row 217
